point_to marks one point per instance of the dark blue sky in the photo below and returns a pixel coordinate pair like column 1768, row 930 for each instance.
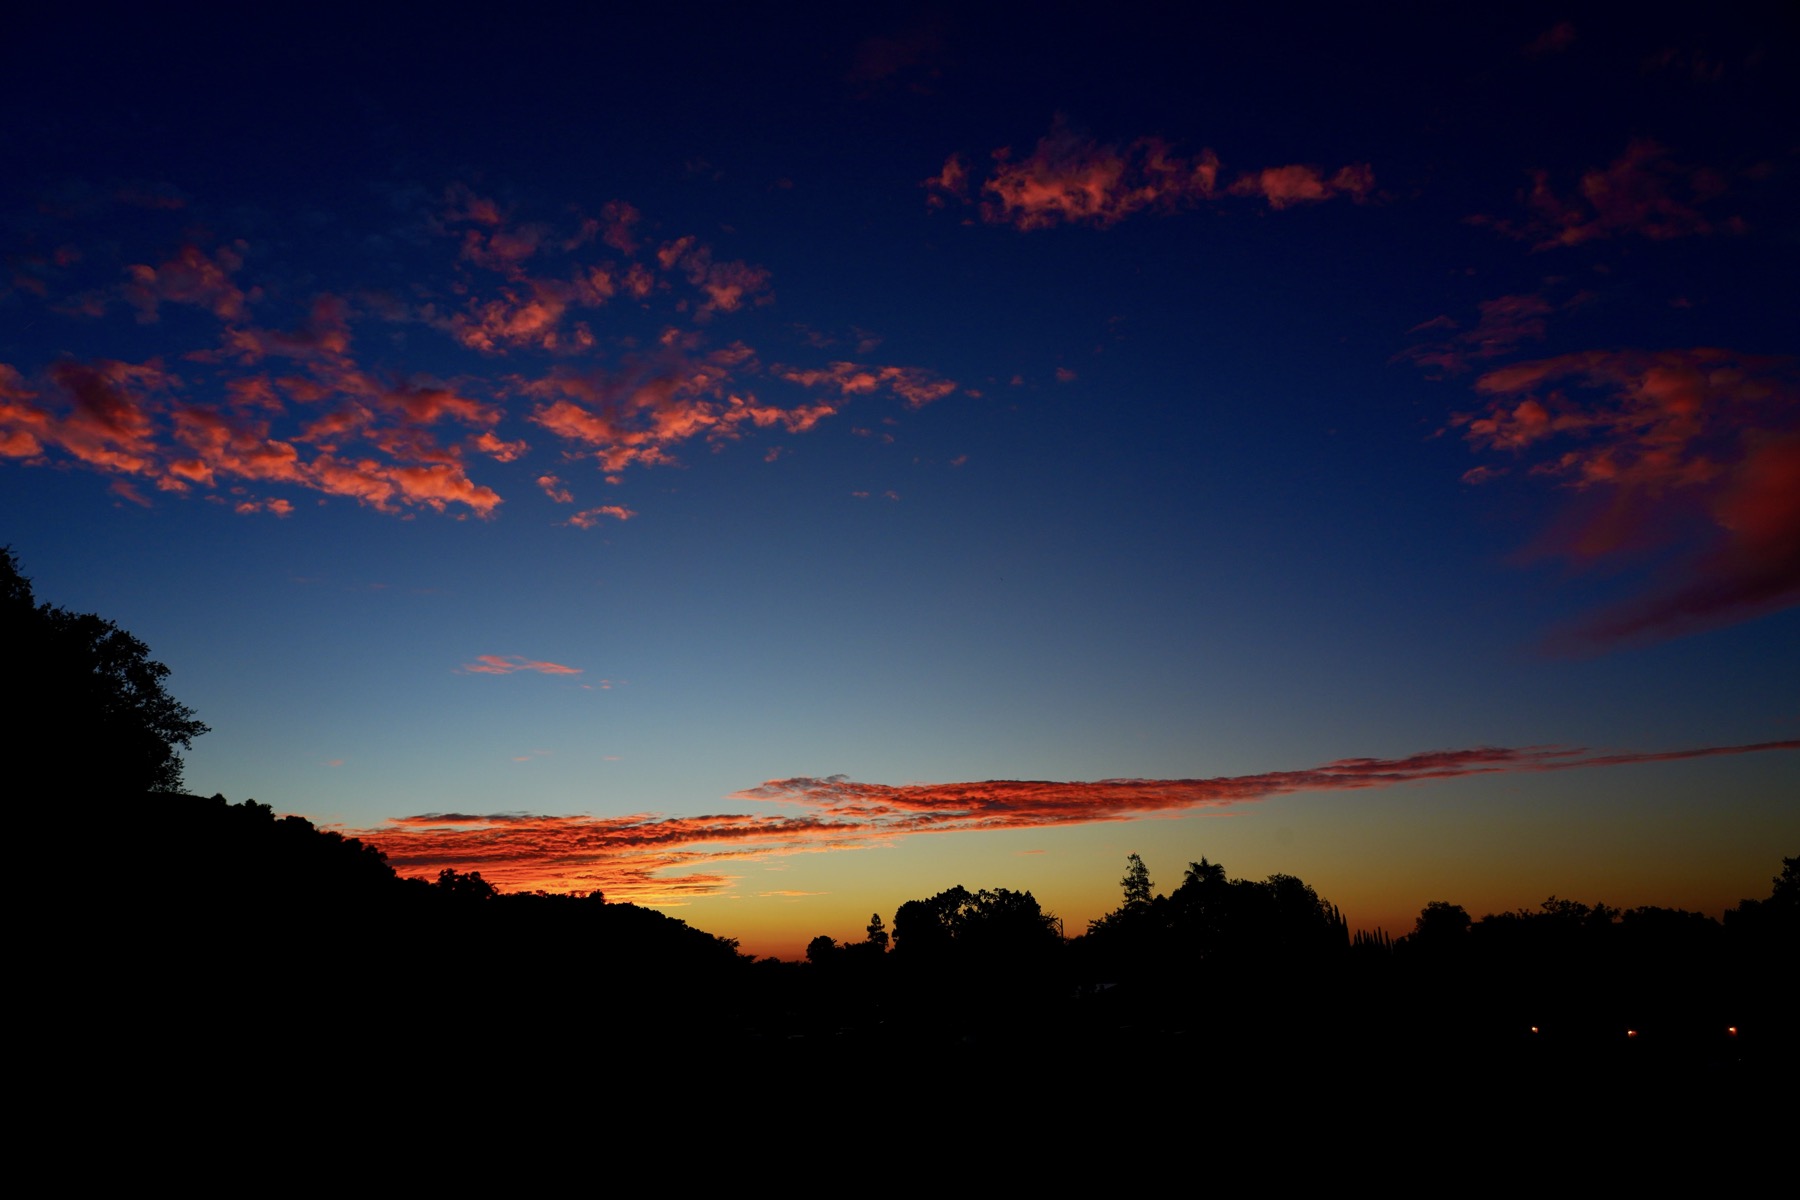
column 592, row 417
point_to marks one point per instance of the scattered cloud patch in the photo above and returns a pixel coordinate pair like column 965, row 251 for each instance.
column 1069, row 178
column 277, row 393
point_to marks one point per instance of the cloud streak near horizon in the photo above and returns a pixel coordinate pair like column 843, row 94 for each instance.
column 662, row 859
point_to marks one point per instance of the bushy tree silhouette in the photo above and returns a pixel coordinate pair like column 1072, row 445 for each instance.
column 89, row 694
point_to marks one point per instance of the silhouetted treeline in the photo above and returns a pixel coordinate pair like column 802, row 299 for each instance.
column 222, row 940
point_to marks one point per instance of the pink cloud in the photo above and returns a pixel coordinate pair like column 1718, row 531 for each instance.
column 507, row 664
column 650, row 857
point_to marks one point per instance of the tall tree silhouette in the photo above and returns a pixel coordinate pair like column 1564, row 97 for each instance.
column 89, row 695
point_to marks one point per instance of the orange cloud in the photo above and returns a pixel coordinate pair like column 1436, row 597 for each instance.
column 21, row 421
column 497, row 449
column 1072, row 179
column 640, row 414
column 657, row 858
column 506, row 664
column 303, row 405
column 1655, row 433
column 916, row 386
column 727, row 285
column 527, row 316
column 442, row 485
column 108, row 420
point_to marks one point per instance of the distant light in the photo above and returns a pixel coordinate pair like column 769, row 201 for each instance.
column 1731, row 1031
column 1534, row 1029
column 1631, row 1033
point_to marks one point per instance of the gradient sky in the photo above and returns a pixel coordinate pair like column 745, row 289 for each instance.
column 687, row 455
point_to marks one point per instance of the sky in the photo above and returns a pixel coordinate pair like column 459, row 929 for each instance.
column 777, row 464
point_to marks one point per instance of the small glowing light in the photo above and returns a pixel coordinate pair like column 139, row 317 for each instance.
column 1534, row 1029
column 1731, row 1031
column 1631, row 1033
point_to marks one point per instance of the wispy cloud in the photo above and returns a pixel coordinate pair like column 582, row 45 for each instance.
column 587, row 518
column 659, row 858
column 1653, row 435
column 507, row 664
column 915, row 385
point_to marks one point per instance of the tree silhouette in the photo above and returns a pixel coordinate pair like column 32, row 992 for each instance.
column 89, row 693
column 1136, row 883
